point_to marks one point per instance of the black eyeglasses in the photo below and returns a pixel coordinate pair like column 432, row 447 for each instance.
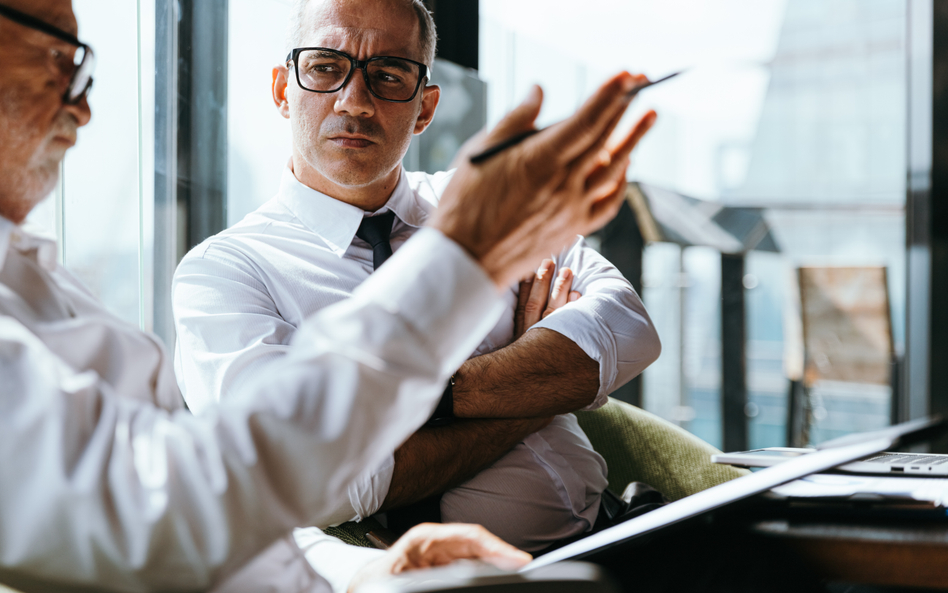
column 324, row 70
column 83, row 60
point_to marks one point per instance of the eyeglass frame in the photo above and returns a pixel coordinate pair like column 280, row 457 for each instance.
column 357, row 65
column 39, row 25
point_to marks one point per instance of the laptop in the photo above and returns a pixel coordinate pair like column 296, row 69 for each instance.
column 888, row 463
column 829, row 455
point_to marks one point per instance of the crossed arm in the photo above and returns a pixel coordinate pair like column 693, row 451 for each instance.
column 501, row 397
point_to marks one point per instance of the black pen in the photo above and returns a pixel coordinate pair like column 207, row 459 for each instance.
column 517, row 139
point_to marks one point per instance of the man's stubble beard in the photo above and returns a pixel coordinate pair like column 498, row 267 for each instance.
column 24, row 185
column 331, row 162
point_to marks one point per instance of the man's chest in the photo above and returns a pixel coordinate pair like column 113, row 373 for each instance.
column 305, row 277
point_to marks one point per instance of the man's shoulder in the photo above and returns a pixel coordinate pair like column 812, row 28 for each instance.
column 259, row 226
column 231, row 251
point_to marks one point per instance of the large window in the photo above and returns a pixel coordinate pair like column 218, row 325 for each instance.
column 258, row 136
column 102, row 209
column 797, row 108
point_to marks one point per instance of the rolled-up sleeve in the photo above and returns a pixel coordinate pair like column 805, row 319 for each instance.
column 609, row 323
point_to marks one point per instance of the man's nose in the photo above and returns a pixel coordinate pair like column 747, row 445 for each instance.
column 355, row 99
column 80, row 110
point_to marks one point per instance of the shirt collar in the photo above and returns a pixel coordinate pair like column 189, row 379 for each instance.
column 408, row 206
column 336, row 222
column 20, row 238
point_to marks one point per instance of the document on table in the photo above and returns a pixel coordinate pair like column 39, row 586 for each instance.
column 927, row 490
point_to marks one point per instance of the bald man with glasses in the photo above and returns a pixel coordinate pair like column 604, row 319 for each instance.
column 108, row 483
column 503, row 449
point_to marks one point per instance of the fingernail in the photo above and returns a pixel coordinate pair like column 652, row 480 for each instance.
column 533, row 95
column 564, row 273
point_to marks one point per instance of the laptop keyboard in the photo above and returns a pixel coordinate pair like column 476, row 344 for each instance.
column 908, row 458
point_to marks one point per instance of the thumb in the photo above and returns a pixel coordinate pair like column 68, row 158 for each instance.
column 518, row 121
column 501, row 554
column 521, row 118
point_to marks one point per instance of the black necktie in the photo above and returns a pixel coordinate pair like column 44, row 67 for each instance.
column 375, row 230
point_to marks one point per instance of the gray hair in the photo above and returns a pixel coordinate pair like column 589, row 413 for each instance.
column 428, row 36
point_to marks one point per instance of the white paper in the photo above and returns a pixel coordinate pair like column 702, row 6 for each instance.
column 832, row 485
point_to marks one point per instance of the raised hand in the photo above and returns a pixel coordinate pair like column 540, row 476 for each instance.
column 534, row 198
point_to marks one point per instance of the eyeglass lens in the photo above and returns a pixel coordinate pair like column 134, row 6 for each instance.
column 389, row 78
column 81, row 82
column 83, row 59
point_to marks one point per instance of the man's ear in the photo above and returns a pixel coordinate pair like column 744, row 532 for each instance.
column 430, row 96
column 280, row 74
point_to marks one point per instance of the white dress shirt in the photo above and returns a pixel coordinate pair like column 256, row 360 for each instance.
column 240, row 296
column 107, row 481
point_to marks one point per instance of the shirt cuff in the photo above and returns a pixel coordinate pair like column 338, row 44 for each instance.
column 583, row 326
column 368, row 491
column 333, row 559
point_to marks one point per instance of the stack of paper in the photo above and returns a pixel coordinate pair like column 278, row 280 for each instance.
column 932, row 491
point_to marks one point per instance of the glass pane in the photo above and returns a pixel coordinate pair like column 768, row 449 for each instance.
column 259, row 140
column 766, row 283
column 101, row 207
column 793, row 108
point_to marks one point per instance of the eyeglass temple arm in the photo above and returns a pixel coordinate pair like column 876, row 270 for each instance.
column 35, row 23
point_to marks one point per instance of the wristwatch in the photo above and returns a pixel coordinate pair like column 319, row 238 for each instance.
column 444, row 413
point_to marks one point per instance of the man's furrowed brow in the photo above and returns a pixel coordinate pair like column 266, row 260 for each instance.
column 395, row 62
column 63, row 21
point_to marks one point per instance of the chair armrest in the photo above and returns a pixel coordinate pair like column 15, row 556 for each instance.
column 638, row 446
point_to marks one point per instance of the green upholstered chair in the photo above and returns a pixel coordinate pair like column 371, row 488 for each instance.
column 638, row 447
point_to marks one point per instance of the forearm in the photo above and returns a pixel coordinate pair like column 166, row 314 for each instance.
column 541, row 374
column 436, row 459
column 609, row 323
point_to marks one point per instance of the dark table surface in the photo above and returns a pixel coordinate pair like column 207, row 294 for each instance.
column 884, row 553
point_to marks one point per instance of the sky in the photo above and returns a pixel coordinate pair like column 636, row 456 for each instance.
column 723, row 47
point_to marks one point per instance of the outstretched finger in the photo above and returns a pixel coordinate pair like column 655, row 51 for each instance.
column 602, row 167
column 576, row 134
column 476, row 543
column 520, row 120
column 605, row 209
column 624, row 149
column 603, row 140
